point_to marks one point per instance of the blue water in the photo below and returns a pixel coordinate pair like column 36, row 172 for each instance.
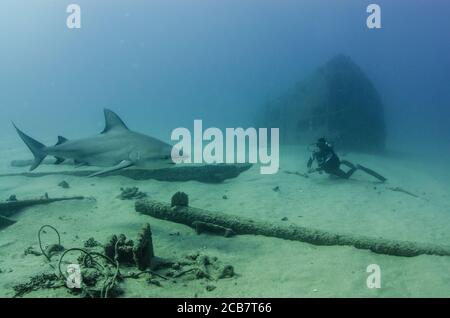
column 162, row 64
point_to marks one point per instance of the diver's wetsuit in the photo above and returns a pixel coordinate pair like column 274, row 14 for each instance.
column 328, row 161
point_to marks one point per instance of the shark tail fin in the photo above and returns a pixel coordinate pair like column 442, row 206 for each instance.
column 35, row 146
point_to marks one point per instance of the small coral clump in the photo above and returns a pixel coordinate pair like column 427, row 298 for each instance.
column 63, row 184
column 180, row 199
column 12, row 198
column 131, row 193
column 91, row 242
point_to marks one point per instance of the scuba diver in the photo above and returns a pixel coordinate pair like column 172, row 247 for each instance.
column 328, row 161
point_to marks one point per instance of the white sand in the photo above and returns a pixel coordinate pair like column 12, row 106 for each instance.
column 267, row 267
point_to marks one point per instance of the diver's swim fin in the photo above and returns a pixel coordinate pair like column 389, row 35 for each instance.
column 371, row 172
column 348, row 164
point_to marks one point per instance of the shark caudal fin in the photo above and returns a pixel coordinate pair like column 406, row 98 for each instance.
column 35, row 146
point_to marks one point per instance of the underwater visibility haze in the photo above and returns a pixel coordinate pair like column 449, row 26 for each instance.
column 258, row 148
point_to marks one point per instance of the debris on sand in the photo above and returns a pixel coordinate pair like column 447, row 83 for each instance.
column 121, row 248
column 202, row 266
column 4, row 221
column 139, row 253
column 12, row 198
column 91, row 242
column 103, row 267
column 143, row 249
column 13, row 206
column 31, row 251
column 41, row 281
column 210, row 288
column 50, row 249
column 153, row 281
column 398, row 189
column 131, row 194
column 300, row 174
column 227, row 272
column 63, row 184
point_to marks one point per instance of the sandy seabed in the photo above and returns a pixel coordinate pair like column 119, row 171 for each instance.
column 265, row 267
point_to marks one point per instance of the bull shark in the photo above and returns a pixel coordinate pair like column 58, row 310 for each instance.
column 116, row 148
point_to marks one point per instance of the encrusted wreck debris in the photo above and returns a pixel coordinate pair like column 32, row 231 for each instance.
column 12, row 206
column 205, row 227
column 131, row 194
column 9, row 208
column 205, row 173
column 138, row 253
column 4, row 221
column 240, row 225
column 104, row 267
column 143, row 252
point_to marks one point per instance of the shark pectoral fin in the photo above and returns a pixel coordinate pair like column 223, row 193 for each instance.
column 122, row 165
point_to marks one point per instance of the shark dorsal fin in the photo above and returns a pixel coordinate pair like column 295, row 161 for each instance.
column 113, row 122
column 61, row 140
